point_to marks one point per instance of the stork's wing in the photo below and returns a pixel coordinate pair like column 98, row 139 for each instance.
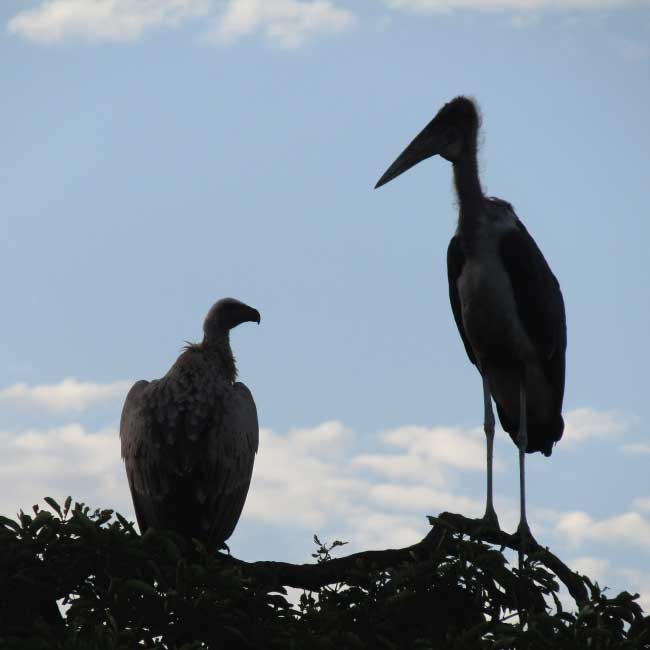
column 540, row 305
column 455, row 263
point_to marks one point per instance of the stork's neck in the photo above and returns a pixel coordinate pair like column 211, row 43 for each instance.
column 218, row 348
column 470, row 194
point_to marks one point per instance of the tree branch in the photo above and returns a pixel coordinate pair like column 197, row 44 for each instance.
column 349, row 568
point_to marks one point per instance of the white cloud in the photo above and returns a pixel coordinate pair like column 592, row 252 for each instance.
column 68, row 395
column 421, row 499
column 62, row 461
column 285, row 23
column 630, row 528
column 585, row 423
column 312, row 479
column 102, row 20
column 299, row 483
column 590, row 566
column 443, row 6
column 426, row 453
column 602, row 571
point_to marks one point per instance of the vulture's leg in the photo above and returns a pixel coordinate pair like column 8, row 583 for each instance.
column 523, row 531
column 490, row 516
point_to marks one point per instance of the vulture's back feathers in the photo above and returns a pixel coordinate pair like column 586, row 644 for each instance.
column 189, row 442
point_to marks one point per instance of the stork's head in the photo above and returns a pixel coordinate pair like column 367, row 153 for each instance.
column 451, row 134
column 226, row 314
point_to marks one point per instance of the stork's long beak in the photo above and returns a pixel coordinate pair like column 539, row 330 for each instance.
column 424, row 145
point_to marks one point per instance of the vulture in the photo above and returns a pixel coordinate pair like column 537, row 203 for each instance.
column 189, row 439
column 506, row 302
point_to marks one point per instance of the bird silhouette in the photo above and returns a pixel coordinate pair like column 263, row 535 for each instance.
column 506, row 302
column 189, row 439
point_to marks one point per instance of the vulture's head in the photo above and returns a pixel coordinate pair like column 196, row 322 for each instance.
column 452, row 133
column 226, row 314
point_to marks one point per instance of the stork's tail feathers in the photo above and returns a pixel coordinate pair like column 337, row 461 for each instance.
column 542, row 434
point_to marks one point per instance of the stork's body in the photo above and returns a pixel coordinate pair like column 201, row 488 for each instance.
column 505, row 299
column 509, row 311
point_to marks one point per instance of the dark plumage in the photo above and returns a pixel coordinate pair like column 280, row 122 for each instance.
column 540, row 312
column 506, row 301
column 189, row 439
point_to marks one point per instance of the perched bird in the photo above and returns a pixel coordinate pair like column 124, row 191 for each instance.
column 506, row 302
column 189, row 439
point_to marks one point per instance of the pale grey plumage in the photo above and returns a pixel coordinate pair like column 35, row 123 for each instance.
column 189, row 439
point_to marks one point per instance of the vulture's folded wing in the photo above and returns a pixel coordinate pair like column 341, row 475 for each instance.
column 231, row 455
column 140, row 453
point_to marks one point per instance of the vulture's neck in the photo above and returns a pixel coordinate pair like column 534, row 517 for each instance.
column 220, row 353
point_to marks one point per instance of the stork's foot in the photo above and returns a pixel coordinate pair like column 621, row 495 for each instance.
column 523, row 540
column 490, row 520
column 523, row 535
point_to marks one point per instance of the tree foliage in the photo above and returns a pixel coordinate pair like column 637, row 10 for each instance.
column 122, row 590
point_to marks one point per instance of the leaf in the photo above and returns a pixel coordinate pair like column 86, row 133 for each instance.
column 235, row 632
column 25, row 520
column 54, row 505
column 125, row 524
column 10, row 523
column 139, row 586
column 436, row 521
column 103, row 517
column 622, row 612
column 66, row 506
column 40, row 520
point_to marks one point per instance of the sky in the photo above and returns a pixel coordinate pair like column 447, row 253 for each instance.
column 158, row 155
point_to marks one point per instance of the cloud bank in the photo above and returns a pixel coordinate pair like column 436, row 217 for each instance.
column 53, row 21
column 320, row 479
column 284, row 23
column 627, row 529
column 69, row 395
column 443, row 6
column 60, row 461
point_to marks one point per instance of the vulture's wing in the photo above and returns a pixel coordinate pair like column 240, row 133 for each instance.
column 139, row 452
column 229, row 465
column 455, row 263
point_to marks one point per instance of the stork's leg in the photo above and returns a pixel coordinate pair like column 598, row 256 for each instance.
column 523, row 531
column 490, row 516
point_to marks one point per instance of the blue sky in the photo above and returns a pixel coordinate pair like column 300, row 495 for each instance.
column 158, row 155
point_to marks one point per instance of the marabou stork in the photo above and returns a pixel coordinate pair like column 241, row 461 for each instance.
column 506, row 301
column 189, row 439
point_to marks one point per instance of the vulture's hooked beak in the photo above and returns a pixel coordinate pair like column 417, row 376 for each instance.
column 255, row 316
column 427, row 143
